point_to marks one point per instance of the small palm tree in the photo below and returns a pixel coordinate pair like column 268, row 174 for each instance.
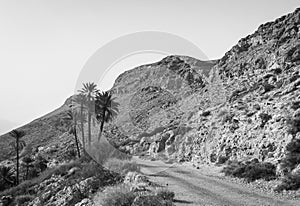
column 89, row 90
column 27, row 161
column 18, row 145
column 6, row 175
column 81, row 100
column 40, row 163
column 71, row 119
column 105, row 108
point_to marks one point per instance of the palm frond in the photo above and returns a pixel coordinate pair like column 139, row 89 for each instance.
column 18, row 134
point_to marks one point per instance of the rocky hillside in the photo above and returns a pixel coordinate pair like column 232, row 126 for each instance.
column 150, row 94
column 39, row 133
column 244, row 106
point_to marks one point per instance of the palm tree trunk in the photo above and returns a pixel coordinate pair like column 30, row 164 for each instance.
column 101, row 126
column 17, row 179
column 27, row 171
column 89, row 129
column 89, row 121
column 82, row 126
column 75, row 135
column 77, row 144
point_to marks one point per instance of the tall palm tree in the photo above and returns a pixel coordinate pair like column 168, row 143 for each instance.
column 18, row 145
column 71, row 120
column 105, row 108
column 6, row 175
column 81, row 100
column 89, row 90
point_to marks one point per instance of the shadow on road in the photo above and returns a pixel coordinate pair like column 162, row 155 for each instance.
column 182, row 201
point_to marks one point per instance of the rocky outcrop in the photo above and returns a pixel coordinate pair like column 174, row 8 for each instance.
column 150, row 94
column 238, row 109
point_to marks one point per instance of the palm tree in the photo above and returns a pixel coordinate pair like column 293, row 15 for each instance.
column 105, row 108
column 18, row 145
column 27, row 161
column 6, row 175
column 89, row 90
column 81, row 100
column 71, row 119
column 40, row 163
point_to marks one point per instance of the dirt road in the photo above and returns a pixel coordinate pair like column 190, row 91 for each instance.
column 203, row 187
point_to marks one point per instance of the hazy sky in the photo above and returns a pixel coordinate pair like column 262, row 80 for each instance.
column 44, row 44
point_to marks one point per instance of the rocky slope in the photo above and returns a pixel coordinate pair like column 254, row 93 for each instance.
column 38, row 133
column 238, row 108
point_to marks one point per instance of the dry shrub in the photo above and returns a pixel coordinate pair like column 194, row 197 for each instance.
column 289, row 182
column 121, row 166
column 165, row 194
column 292, row 157
column 23, row 199
column 251, row 171
column 119, row 195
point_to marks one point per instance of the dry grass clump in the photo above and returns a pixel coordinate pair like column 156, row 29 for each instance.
column 122, row 166
column 119, row 195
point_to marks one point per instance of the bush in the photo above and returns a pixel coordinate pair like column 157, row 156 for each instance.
column 121, row 166
column 264, row 119
column 151, row 200
column 293, row 125
column 289, row 182
column 26, row 186
column 222, row 159
column 292, row 157
column 119, row 195
column 165, row 194
column 251, row 171
column 22, row 199
column 227, row 117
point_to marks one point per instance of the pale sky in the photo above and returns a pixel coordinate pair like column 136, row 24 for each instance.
column 45, row 43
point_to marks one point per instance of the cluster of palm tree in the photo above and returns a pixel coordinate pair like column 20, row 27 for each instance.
column 87, row 106
column 6, row 173
column 90, row 104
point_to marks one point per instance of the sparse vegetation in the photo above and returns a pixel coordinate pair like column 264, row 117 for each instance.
column 165, row 194
column 121, row 166
column 251, row 171
column 119, row 195
column 85, row 169
column 289, row 182
column 292, row 157
column 264, row 118
column 293, row 125
column 23, row 199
